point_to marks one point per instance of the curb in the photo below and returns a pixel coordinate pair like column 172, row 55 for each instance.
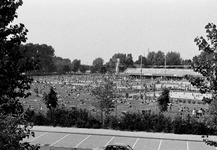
column 100, row 132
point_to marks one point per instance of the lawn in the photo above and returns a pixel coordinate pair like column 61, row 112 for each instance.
column 80, row 97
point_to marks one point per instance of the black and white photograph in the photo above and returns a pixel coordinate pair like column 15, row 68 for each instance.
column 108, row 75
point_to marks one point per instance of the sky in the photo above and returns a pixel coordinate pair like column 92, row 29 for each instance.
column 89, row 29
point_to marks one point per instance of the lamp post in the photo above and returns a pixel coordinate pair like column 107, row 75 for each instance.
column 165, row 68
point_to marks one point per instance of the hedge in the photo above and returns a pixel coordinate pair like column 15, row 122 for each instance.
column 145, row 121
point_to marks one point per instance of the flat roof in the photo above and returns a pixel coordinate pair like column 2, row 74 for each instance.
column 160, row 72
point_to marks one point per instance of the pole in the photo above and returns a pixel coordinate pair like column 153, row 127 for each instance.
column 141, row 71
column 165, row 63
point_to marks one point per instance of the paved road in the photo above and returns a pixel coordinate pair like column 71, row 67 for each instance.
column 91, row 138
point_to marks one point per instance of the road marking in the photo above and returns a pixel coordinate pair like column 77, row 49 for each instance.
column 82, row 141
column 59, row 139
column 38, row 137
column 187, row 146
column 135, row 143
column 159, row 145
column 109, row 141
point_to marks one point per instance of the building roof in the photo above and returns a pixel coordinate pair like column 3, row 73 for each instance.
column 160, row 72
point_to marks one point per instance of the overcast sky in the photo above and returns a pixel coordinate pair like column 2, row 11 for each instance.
column 88, row 29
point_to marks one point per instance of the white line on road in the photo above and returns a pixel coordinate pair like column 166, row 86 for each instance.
column 109, row 141
column 159, row 145
column 187, row 146
column 38, row 137
column 135, row 142
column 59, row 139
column 82, row 141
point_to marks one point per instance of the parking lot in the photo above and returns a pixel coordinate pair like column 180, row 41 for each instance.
column 77, row 140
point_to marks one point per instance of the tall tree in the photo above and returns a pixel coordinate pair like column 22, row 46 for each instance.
column 159, row 58
column 51, row 100
column 43, row 54
column 163, row 100
column 173, row 58
column 151, row 58
column 12, row 83
column 97, row 64
column 128, row 61
column 66, row 68
column 62, row 65
column 186, row 62
column 103, row 69
column 144, row 61
column 84, row 68
column 206, row 64
column 76, row 65
column 104, row 93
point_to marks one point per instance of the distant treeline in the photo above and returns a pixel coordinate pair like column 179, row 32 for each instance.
column 46, row 61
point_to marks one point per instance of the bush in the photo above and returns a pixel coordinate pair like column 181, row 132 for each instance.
column 112, row 122
column 139, row 121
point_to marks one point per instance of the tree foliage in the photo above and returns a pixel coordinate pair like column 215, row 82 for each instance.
column 173, row 58
column 163, row 100
column 159, row 58
column 97, row 65
column 42, row 54
column 62, row 65
column 13, row 84
column 126, row 60
column 104, row 96
column 206, row 64
column 144, row 61
column 51, row 99
column 84, row 68
column 76, row 65
column 104, row 93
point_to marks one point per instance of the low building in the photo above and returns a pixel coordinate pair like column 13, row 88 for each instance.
column 160, row 72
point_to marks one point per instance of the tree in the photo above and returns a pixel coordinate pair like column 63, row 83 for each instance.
column 50, row 99
column 186, row 62
column 151, row 58
column 144, row 61
column 84, row 68
column 103, row 70
column 62, row 65
column 159, row 58
column 76, row 65
column 43, row 54
column 173, row 58
column 13, row 84
column 66, row 68
column 128, row 61
column 104, row 93
column 97, row 64
column 206, row 64
column 163, row 100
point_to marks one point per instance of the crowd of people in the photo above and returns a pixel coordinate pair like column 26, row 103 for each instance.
column 128, row 88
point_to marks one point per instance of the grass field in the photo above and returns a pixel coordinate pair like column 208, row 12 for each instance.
column 68, row 98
